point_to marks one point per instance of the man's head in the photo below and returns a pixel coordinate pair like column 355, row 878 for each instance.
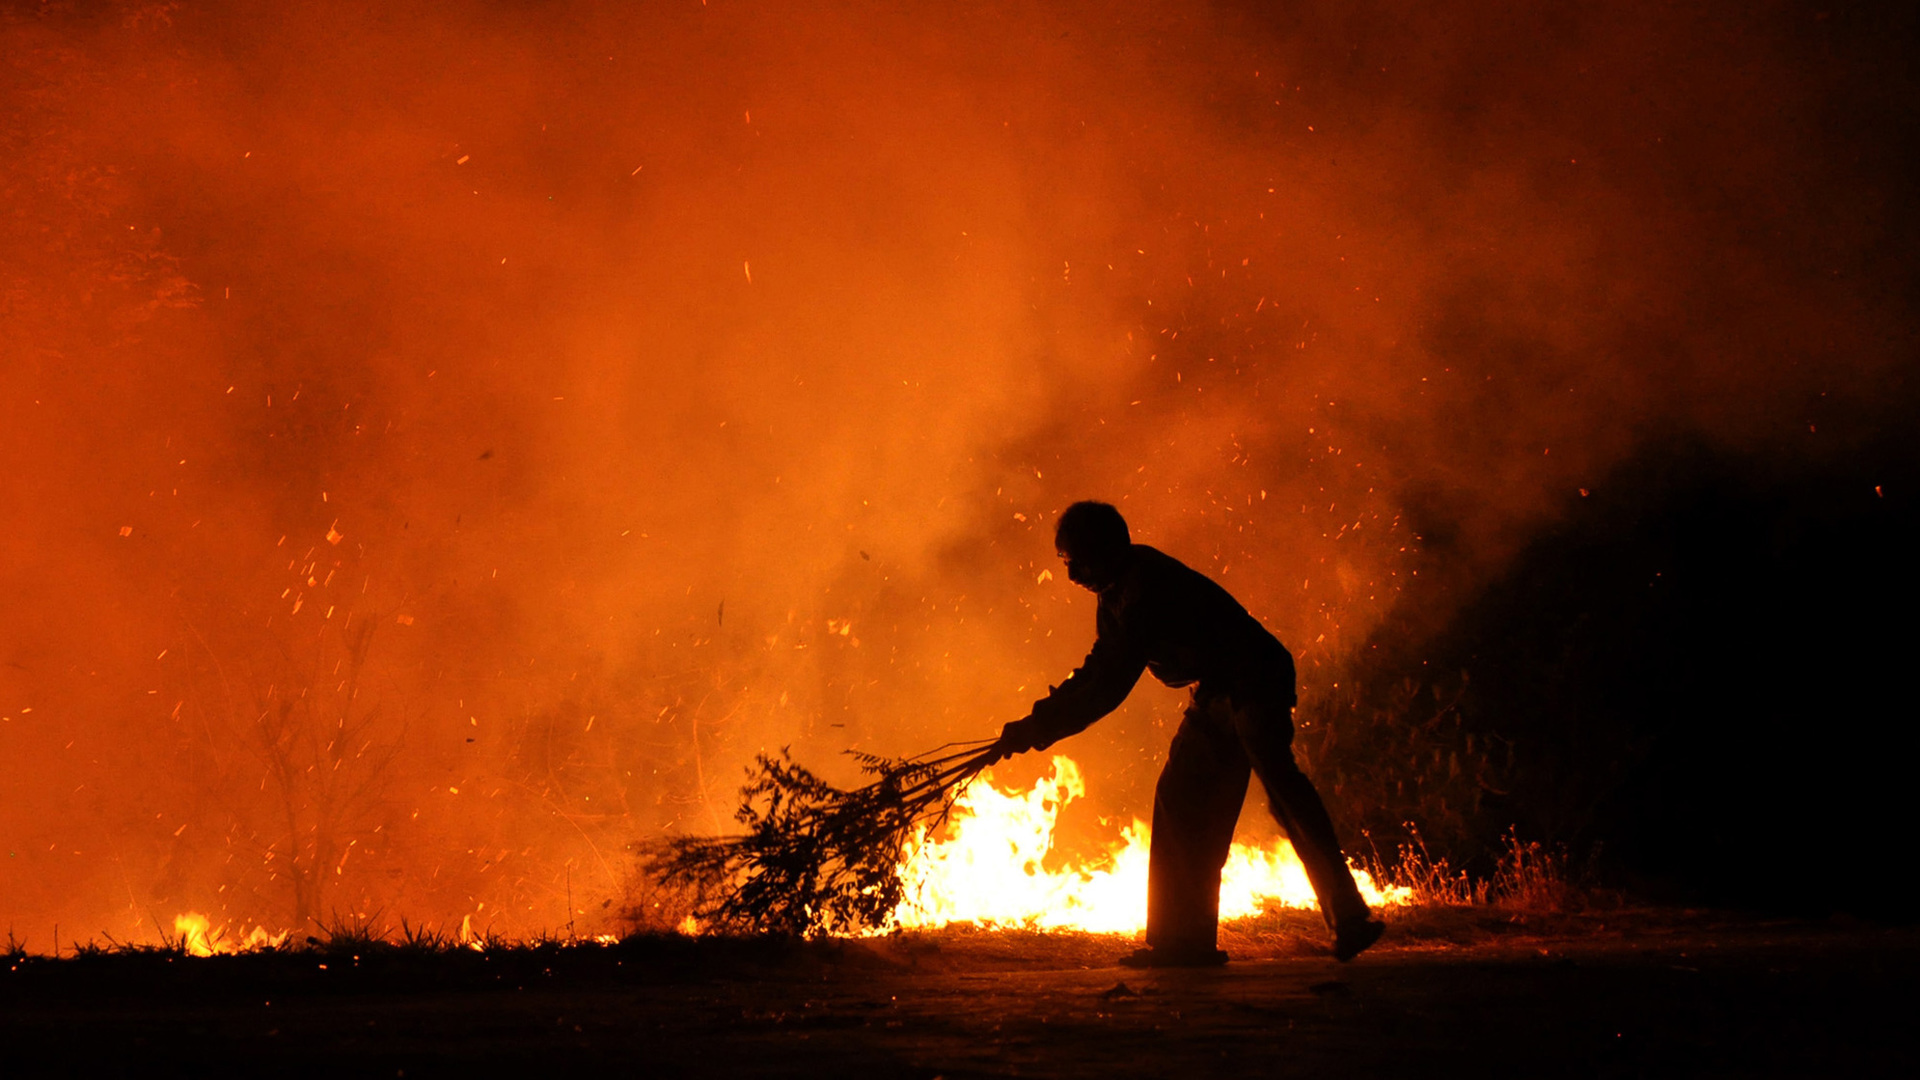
column 1092, row 537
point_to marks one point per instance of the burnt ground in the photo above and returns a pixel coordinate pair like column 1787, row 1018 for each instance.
column 1621, row 993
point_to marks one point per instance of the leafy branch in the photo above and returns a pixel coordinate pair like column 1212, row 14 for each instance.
column 816, row 859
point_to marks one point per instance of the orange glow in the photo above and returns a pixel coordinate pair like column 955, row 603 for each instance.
column 439, row 466
column 987, row 867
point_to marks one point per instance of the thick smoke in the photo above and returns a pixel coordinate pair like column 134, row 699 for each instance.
column 445, row 445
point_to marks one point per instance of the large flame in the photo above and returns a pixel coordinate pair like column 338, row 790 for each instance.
column 987, row 866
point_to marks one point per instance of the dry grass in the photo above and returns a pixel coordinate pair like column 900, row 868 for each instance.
column 1529, row 877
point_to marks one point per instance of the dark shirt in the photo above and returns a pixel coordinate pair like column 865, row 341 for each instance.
column 1162, row 616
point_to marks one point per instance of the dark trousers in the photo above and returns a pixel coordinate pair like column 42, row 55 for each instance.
column 1197, row 803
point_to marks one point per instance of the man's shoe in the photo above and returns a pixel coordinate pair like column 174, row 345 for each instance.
column 1174, row 958
column 1352, row 940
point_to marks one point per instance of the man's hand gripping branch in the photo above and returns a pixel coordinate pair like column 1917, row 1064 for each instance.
column 1019, row 737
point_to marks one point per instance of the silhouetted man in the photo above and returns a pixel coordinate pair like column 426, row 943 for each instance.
column 1157, row 614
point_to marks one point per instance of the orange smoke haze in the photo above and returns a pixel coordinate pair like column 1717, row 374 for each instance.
column 445, row 445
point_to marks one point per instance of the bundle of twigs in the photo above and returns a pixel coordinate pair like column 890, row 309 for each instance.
column 816, row 859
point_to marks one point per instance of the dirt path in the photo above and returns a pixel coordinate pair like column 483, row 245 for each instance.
column 1665, row 994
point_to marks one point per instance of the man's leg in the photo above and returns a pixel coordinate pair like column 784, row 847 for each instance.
column 1195, row 807
column 1267, row 735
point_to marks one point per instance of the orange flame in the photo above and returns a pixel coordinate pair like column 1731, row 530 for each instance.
column 196, row 934
column 988, row 868
column 193, row 930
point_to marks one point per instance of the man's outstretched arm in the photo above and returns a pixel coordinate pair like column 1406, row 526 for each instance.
column 1096, row 688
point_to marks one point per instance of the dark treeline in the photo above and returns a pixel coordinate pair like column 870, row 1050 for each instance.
column 1700, row 682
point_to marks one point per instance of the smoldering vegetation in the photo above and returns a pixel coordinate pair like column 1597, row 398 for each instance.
column 446, row 445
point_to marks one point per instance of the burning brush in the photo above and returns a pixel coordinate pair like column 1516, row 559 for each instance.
column 816, row 859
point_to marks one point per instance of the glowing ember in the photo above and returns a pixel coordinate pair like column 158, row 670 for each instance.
column 988, row 868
